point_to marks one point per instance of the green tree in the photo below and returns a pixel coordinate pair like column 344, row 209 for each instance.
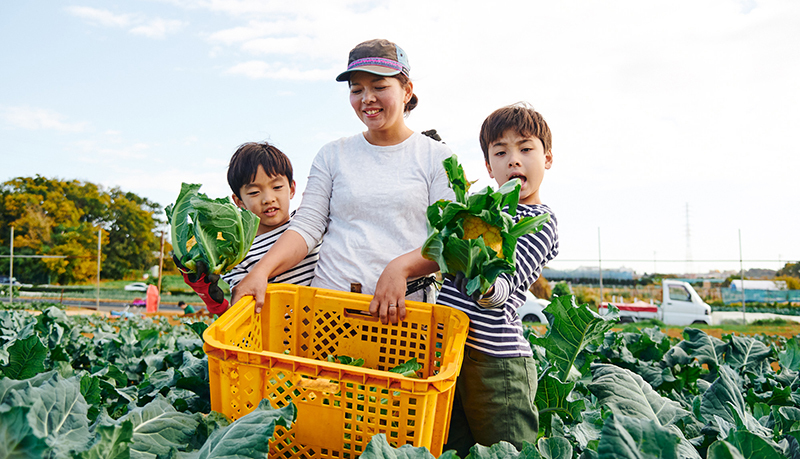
column 132, row 243
column 63, row 217
column 790, row 269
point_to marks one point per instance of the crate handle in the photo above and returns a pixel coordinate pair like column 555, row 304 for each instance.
column 359, row 314
column 320, row 384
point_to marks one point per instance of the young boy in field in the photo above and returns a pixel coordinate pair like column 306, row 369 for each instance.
column 261, row 179
column 496, row 388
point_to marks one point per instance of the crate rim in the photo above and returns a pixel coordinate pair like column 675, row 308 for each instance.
column 446, row 374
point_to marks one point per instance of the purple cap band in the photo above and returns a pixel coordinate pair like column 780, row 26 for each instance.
column 376, row 61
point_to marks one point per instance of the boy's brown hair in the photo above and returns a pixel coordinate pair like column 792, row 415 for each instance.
column 244, row 164
column 520, row 117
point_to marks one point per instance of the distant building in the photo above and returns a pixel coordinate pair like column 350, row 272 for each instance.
column 588, row 272
column 736, row 284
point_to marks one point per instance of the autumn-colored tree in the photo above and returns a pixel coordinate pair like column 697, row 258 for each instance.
column 790, row 269
column 62, row 217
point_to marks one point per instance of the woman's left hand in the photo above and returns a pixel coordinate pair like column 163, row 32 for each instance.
column 388, row 303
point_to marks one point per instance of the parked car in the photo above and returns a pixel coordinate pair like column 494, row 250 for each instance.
column 4, row 280
column 136, row 287
column 533, row 309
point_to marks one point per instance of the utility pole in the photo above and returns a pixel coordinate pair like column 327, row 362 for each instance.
column 160, row 263
column 688, row 266
column 600, row 265
column 97, row 296
column 741, row 272
column 11, row 271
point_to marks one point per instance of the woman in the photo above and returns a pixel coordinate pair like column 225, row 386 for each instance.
column 367, row 194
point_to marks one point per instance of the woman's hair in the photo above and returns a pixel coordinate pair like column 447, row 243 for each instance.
column 412, row 103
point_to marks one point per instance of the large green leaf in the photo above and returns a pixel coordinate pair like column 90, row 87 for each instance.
column 624, row 437
column 502, row 450
column 17, row 440
column 237, row 226
column 705, row 348
column 723, row 401
column 8, row 385
column 752, row 446
column 626, row 393
column 747, row 354
column 178, row 217
column 26, row 358
column 194, row 214
column 114, row 442
column 721, row 449
column 248, row 437
column 555, row 448
column 790, row 357
column 379, row 448
column 589, row 429
column 572, row 328
column 552, row 397
column 158, row 427
column 58, row 413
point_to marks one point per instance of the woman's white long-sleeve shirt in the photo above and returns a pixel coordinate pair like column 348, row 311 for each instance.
column 370, row 203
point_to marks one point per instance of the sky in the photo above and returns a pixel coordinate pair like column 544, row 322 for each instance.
column 674, row 122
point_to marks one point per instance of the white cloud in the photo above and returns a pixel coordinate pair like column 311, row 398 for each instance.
column 158, row 28
column 39, row 118
column 261, row 69
column 101, row 17
column 136, row 24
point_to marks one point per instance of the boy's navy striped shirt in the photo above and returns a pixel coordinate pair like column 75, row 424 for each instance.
column 495, row 327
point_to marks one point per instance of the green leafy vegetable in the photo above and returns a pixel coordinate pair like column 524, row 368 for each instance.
column 214, row 231
column 26, row 358
column 472, row 234
column 345, row 360
column 408, row 369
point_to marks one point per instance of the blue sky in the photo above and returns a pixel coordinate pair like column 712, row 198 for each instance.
column 653, row 105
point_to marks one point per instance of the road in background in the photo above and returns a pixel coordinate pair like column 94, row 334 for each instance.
column 718, row 317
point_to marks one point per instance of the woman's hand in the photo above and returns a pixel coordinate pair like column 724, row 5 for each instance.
column 389, row 301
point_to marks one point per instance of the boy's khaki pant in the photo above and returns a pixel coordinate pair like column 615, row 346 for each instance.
column 494, row 401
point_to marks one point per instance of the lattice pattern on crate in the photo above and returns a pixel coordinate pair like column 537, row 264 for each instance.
column 399, row 344
column 287, row 329
column 243, row 386
column 283, row 445
column 328, row 328
column 248, row 335
column 370, row 410
column 438, row 346
column 367, row 410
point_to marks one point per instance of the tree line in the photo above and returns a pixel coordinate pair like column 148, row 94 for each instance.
column 51, row 216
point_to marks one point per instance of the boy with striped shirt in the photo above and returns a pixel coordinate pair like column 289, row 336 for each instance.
column 260, row 177
column 496, row 388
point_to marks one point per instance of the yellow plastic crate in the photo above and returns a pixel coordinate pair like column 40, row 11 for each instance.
column 281, row 354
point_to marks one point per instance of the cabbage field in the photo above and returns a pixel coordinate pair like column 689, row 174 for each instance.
column 91, row 387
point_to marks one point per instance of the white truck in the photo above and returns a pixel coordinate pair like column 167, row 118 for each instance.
column 680, row 305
